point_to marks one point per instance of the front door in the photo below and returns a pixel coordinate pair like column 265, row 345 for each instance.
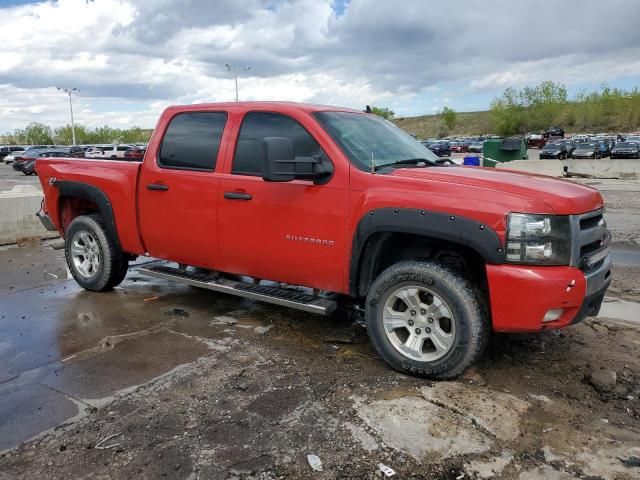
column 291, row 232
column 178, row 190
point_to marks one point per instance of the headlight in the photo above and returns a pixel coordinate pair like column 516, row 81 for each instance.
column 538, row 239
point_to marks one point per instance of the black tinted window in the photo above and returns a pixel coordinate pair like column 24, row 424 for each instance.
column 192, row 141
column 256, row 126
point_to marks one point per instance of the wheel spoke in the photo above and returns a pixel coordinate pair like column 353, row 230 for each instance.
column 84, row 267
column 414, row 345
column 84, row 236
column 77, row 249
column 410, row 296
column 393, row 319
column 441, row 340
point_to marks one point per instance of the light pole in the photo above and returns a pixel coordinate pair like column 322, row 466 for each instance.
column 68, row 92
column 235, row 71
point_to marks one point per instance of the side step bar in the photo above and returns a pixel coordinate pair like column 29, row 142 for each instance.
column 270, row 294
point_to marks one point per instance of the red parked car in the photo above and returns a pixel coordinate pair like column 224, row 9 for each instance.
column 456, row 147
column 344, row 205
column 135, row 153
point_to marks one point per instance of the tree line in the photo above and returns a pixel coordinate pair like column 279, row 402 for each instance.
column 537, row 108
column 40, row 134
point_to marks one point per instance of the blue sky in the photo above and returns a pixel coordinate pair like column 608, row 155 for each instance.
column 132, row 58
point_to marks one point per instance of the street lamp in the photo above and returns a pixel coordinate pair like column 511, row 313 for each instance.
column 235, row 71
column 68, row 92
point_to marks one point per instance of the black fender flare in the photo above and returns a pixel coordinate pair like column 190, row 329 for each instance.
column 442, row 226
column 95, row 195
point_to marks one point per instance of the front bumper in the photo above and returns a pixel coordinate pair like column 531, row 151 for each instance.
column 520, row 296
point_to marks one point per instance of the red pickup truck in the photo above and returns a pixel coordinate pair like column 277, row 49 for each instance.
column 301, row 205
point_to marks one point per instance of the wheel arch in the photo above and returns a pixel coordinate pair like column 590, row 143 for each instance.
column 409, row 233
column 76, row 198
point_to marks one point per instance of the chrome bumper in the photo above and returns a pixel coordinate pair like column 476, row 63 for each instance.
column 46, row 222
column 600, row 278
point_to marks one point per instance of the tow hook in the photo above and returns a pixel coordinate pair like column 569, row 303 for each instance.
column 571, row 285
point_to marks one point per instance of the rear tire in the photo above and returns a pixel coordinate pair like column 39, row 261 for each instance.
column 93, row 258
column 446, row 327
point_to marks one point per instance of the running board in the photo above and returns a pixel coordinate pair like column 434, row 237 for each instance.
column 270, row 294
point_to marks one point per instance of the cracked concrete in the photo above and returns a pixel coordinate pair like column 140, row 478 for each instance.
column 493, row 412
column 423, row 429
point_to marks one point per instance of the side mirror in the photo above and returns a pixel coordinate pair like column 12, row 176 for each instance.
column 278, row 163
column 281, row 166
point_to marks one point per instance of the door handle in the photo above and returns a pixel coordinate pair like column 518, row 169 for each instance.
column 157, row 186
column 237, row 196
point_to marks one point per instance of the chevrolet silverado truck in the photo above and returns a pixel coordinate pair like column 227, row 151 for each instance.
column 305, row 205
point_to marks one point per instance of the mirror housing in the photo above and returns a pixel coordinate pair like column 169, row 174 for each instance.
column 279, row 164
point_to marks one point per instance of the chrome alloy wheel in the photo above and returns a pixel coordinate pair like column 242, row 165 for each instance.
column 418, row 323
column 86, row 254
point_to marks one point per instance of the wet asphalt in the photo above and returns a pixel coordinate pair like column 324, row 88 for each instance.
column 65, row 351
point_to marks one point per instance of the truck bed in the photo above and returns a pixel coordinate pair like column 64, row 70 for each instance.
column 116, row 177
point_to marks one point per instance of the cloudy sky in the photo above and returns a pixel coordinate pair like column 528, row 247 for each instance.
column 131, row 58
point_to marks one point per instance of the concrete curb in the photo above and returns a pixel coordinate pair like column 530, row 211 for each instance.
column 552, row 168
column 622, row 168
column 18, row 222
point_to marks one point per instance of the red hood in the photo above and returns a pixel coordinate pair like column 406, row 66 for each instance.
column 563, row 196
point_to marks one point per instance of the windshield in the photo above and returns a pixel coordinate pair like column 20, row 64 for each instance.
column 627, row 145
column 586, row 146
column 552, row 146
column 367, row 138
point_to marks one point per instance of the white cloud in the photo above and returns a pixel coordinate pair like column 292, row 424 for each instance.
column 130, row 58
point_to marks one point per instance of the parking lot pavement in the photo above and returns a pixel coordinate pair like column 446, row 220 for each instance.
column 159, row 380
column 9, row 178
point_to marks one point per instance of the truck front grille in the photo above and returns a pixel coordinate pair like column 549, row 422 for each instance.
column 590, row 240
column 590, row 221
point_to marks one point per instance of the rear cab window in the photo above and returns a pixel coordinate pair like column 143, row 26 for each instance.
column 192, row 141
column 256, row 126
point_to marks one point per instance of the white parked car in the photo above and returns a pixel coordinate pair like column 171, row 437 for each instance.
column 12, row 156
column 107, row 151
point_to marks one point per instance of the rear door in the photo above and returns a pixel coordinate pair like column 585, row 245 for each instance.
column 178, row 189
column 291, row 232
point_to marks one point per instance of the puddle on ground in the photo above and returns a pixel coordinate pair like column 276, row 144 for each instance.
column 620, row 310
column 626, row 256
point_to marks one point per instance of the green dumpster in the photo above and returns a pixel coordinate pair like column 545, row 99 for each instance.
column 505, row 149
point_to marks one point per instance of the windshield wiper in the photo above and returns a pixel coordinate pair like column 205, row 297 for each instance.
column 406, row 162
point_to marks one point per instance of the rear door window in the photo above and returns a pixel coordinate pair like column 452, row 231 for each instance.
column 192, row 141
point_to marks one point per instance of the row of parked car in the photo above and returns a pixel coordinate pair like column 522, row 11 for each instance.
column 24, row 158
column 592, row 146
column 444, row 148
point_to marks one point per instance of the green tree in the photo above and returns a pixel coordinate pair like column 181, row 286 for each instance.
column 449, row 117
column 383, row 112
column 508, row 113
column 35, row 133
column 64, row 135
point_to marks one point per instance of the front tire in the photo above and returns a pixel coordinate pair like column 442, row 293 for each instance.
column 426, row 320
column 93, row 257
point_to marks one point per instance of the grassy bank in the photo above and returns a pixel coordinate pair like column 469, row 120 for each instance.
column 431, row 126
